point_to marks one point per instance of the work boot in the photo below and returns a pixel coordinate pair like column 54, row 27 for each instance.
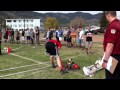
column 53, row 65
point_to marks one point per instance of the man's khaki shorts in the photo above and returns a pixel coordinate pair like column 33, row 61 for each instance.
column 88, row 44
column 73, row 40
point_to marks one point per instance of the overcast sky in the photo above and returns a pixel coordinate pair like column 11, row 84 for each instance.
column 92, row 12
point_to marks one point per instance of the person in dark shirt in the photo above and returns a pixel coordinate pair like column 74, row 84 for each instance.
column 88, row 45
column 68, row 38
column 6, row 36
column 48, row 35
column 23, row 36
column 37, row 35
column 12, row 36
column 18, row 36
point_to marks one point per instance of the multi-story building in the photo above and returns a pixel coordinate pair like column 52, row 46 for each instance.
column 18, row 24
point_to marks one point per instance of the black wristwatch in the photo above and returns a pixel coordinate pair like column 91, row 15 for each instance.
column 105, row 61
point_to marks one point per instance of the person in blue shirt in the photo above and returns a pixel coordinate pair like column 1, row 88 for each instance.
column 57, row 35
column 60, row 34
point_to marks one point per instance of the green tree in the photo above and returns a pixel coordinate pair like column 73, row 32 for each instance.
column 77, row 21
column 51, row 23
column 103, row 21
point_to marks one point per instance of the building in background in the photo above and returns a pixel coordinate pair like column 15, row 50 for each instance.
column 18, row 24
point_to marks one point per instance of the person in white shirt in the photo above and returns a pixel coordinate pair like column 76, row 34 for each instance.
column 28, row 36
column 65, row 36
column 81, row 36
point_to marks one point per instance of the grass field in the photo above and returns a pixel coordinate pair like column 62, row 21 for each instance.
column 27, row 62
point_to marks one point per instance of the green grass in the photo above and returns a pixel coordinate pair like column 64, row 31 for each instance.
column 37, row 54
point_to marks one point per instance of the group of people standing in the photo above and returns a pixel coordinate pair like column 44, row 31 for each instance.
column 27, row 36
column 76, row 37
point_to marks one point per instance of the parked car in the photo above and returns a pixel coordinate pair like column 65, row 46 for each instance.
column 94, row 29
column 102, row 30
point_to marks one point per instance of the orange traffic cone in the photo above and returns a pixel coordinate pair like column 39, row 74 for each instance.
column 9, row 49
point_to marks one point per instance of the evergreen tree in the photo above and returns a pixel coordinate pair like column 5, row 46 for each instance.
column 103, row 21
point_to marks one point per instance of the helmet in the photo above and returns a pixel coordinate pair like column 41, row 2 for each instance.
column 75, row 66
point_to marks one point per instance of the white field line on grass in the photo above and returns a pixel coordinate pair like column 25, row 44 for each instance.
column 39, row 54
column 23, row 72
column 30, row 70
column 18, row 48
column 79, row 74
column 27, row 58
column 15, row 48
column 31, row 65
column 40, row 68
column 18, row 67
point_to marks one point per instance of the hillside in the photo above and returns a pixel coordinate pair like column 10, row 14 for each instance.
column 63, row 18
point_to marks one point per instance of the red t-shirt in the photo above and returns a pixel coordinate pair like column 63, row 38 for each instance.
column 56, row 42
column 9, row 33
column 112, row 35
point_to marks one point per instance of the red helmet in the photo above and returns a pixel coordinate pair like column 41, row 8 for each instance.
column 76, row 66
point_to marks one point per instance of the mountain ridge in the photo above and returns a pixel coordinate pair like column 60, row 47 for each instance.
column 63, row 18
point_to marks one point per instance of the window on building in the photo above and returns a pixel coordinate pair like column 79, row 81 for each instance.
column 15, row 25
column 10, row 25
column 20, row 20
column 9, row 20
column 20, row 25
column 31, row 25
column 14, row 20
column 26, row 20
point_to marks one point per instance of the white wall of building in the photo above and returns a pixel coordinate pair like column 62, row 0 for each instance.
column 19, row 24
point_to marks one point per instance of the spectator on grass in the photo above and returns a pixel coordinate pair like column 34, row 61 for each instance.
column 6, row 35
column 28, row 36
column 68, row 36
column 23, row 36
column 88, row 44
column 32, row 36
column 12, row 36
column 74, row 36
column 65, row 36
column 9, row 35
column 18, row 37
column 81, row 36
column 37, row 31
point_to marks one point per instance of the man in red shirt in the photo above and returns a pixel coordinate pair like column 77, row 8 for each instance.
column 112, row 43
column 52, row 47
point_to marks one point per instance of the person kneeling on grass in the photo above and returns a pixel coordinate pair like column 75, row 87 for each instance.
column 52, row 48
